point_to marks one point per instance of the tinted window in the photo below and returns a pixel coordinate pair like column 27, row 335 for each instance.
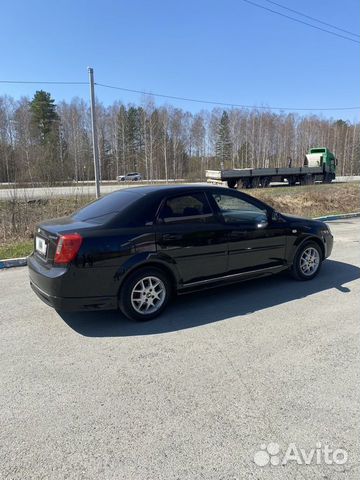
column 184, row 208
column 141, row 215
column 107, row 207
column 237, row 210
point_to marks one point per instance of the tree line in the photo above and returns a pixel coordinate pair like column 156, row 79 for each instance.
column 44, row 142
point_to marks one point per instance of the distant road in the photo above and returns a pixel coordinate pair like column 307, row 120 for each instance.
column 348, row 178
column 48, row 192
column 30, row 193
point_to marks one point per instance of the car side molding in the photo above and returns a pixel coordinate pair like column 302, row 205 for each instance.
column 233, row 275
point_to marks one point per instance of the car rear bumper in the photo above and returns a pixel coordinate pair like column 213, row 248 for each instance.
column 47, row 284
column 70, row 304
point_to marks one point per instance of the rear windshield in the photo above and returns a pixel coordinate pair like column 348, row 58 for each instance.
column 106, row 208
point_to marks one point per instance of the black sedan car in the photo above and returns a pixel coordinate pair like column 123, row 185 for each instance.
column 134, row 248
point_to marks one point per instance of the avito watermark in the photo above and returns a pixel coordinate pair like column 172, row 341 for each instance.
column 272, row 454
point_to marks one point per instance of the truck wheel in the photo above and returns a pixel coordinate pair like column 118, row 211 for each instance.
column 307, row 180
column 255, row 183
column 243, row 183
column 265, row 182
column 327, row 178
column 231, row 183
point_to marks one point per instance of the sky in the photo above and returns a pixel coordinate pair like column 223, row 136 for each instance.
column 225, row 51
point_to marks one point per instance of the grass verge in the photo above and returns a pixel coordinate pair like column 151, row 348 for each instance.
column 19, row 218
column 312, row 201
column 16, row 250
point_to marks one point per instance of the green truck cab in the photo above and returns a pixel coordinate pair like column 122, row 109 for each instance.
column 322, row 157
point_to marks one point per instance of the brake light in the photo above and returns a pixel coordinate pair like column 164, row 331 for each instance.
column 67, row 248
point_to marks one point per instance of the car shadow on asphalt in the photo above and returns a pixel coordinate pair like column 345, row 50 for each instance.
column 213, row 305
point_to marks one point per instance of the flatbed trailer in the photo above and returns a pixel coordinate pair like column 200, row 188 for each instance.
column 320, row 167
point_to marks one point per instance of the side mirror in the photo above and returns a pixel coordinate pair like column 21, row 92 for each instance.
column 275, row 216
column 261, row 221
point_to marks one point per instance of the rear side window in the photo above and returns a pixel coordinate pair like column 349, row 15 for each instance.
column 186, row 208
column 141, row 215
column 106, row 208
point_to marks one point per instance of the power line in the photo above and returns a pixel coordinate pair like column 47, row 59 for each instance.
column 174, row 97
column 313, row 18
column 211, row 102
column 301, row 21
column 44, row 83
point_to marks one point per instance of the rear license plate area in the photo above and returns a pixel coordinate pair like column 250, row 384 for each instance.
column 41, row 246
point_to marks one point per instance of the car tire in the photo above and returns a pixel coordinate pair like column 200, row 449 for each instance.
column 307, row 261
column 145, row 294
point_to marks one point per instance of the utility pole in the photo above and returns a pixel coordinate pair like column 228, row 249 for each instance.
column 94, row 132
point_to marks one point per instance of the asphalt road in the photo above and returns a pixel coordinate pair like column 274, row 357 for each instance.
column 49, row 192
column 193, row 394
column 76, row 190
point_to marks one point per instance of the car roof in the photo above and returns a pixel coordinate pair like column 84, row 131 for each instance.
column 166, row 189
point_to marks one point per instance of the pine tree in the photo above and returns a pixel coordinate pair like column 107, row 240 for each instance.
column 223, row 148
column 43, row 115
column 46, row 136
column 133, row 135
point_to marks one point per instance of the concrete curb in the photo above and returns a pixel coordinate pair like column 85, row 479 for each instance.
column 22, row 262
column 327, row 218
column 13, row 262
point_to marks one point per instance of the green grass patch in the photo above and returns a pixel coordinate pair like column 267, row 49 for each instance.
column 16, row 250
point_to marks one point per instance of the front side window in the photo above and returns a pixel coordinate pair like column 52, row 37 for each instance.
column 237, row 210
column 186, row 208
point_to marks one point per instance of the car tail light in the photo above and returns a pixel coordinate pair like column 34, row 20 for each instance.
column 67, row 248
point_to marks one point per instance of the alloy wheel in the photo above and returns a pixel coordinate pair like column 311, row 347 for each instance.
column 148, row 295
column 309, row 261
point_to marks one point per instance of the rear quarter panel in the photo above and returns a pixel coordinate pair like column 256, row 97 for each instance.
column 103, row 258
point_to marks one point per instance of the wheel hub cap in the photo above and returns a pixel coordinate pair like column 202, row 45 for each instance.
column 148, row 295
column 309, row 261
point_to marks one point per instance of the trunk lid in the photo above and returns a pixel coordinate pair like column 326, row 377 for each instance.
column 48, row 232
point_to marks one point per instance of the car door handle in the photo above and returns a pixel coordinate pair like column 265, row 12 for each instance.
column 171, row 236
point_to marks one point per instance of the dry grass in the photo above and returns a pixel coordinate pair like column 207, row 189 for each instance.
column 19, row 217
column 312, row 201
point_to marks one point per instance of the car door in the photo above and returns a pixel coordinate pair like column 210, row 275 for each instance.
column 256, row 241
column 192, row 237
